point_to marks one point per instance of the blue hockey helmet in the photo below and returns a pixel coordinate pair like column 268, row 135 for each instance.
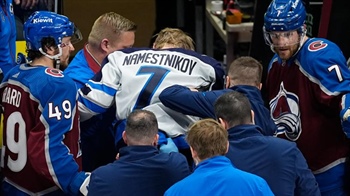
column 49, row 24
column 284, row 15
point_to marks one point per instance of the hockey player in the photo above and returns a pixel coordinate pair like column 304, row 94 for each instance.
column 308, row 90
column 40, row 153
column 133, row 79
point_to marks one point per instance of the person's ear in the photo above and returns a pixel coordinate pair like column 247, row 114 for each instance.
column 194, row 156
column 223, row 123
column 252, row 115
column 124, row 137
column 155, row 141
column 227, row 82
column 228, row 145
column 104, row 45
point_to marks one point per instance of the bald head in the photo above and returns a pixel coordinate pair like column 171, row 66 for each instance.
column 141, row 128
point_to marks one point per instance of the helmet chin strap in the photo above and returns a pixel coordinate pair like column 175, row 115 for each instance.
column 55, row 57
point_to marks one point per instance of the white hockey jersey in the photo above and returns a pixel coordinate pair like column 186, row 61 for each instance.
column 133, row 79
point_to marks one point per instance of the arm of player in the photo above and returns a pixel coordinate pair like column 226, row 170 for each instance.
column 182, row 99
column 329, row 70
column 98, row 94
column 53, row 145
column 219, row 72
column 345, row 114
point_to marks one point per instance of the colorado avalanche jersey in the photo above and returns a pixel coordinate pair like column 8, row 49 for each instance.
column 305, row 101
column 133, row 79
column 8, row 36
column 40, row 151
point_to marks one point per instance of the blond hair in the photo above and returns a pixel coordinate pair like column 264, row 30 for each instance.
column 174, row 37
column 208, row 138
column 109, row 25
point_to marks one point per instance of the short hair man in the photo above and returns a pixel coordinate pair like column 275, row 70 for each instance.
column 276, row 160
column 214, row 173
column 41, row 152
column 244, row 75
column 110, row 32
column 141, row 169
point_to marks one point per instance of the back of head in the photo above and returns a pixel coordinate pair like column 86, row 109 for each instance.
column 109, row 25
column 173, row 38
column 47, row 29
column 234, row 108
column 208, row 138
column 141, row 127
column 284, row 15
column 245, row 71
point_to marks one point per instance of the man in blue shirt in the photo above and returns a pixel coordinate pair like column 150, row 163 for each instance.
column 244, row 76
column 276, row 160
column 109, row 33
column 214, row 173
column 141, row 169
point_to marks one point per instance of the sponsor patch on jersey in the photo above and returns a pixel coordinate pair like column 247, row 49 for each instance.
column 317, row 45
column 54, row 72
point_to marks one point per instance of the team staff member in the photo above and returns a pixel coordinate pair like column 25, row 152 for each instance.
column 243, row 76
column 276, row 160
column 214, row 173
column 140, row 167
column 109, row 33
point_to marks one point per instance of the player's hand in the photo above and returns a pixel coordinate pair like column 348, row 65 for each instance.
column 26, row 4
column 169, row 147
column 117, row 157
column 345, row 121
column 84, row 187
column 193, row 90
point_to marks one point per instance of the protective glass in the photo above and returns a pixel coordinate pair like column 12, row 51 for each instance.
column 77, row 36
column 282, row 39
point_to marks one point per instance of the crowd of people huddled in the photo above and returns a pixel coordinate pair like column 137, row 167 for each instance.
column 166, row 120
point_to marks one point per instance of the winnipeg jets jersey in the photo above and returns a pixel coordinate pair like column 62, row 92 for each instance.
column 133, row 79
column 305, row 101
column 40, row 151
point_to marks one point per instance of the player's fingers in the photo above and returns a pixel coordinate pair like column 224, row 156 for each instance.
column 32, row 3
column 28, row 4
